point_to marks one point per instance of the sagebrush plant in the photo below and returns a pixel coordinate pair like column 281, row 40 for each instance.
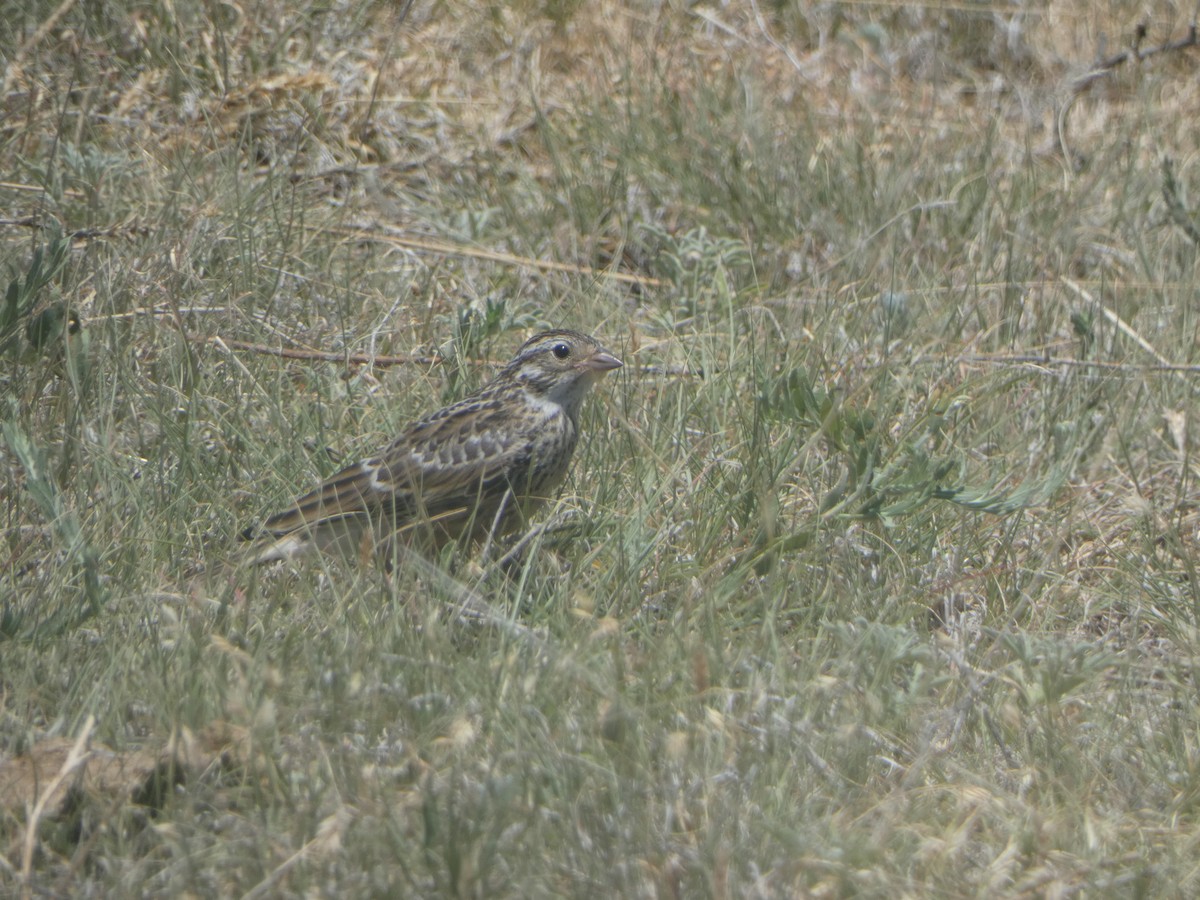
column 874, row 574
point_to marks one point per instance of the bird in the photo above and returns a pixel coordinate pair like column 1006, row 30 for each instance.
column 477, row 467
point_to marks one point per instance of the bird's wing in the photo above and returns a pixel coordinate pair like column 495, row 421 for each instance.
column 439, row 467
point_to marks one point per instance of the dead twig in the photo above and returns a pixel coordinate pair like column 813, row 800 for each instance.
column 81, row 234
column 1106, row 66
column 1064, row 362
column 367, row 359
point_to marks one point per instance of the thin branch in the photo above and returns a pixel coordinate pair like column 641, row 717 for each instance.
column 1106, row 66
column 1061, row 362
column 367, row 359
column 149, row 311
column 674, row 371
column 72, row 193
column 81, row 234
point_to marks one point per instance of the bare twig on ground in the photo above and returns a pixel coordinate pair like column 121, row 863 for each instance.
column 1062, row 362
column 368, row 359
column 81, row 234
column 1106, row 66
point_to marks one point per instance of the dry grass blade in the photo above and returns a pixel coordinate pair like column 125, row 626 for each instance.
column 76, row 759
column 13, row 69
column 327, row 841
column 1124, row 327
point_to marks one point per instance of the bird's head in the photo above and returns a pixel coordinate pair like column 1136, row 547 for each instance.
column 560, row 366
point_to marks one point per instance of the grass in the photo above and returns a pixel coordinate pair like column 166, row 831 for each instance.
column 881, row 575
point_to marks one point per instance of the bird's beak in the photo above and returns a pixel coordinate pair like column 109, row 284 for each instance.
column 601, row 361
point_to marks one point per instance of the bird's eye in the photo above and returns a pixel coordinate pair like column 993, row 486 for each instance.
column 561, row 351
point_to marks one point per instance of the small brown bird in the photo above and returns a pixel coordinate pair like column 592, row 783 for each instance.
column 479, row 466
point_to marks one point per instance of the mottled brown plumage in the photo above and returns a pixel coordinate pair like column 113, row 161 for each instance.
column 479, row 465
